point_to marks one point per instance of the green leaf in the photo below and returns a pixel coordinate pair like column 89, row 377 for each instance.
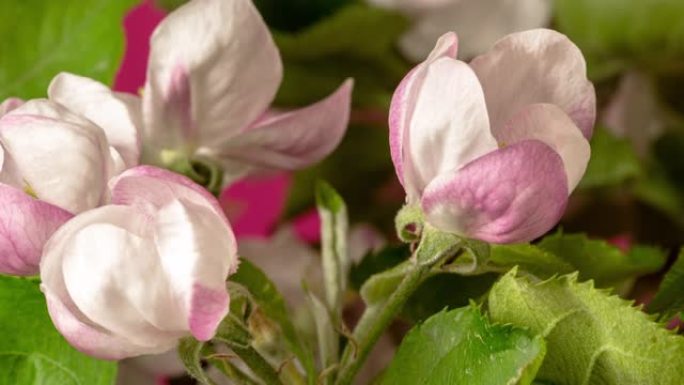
column 669, row 299
column 272, row 304
column 601, row 261
column 615, row 33
column 613, row 161
column 334, row 233
column 318, row 59
column 448, row 291
column 529, row 258
column 326, row 335
column 41, row 38
column 462, row 347
column 591, row 336
column 32, row 352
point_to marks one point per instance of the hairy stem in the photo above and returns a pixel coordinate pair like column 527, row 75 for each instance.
column 374, row 321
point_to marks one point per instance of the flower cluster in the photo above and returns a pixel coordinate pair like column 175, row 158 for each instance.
column 132, row 257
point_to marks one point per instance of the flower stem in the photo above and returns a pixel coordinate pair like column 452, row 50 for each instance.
column 374, row 322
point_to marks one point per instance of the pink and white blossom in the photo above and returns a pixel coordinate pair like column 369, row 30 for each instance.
column 134, row 276
column 492, row 149
column 212, row 74
column 53, row 164
column 479, row 23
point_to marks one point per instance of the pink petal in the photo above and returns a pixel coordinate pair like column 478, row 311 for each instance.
column 215, row 58
column 404, row 100
column 207, row 309
column 10, row 104
column 156, row 186
column 25, row 226
column 294, row 139
column 549, row 124
column 514, row 194
column 536, row 66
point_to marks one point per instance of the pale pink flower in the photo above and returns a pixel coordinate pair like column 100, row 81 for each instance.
column 492, row 149
column 132, row 277
column 479, row 23
column 213, row 72
column 635, row 113
column 53, row 164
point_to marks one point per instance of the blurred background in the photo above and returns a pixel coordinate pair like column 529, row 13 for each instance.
column 632, row 193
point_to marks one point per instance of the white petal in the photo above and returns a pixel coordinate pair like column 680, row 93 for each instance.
column 197, row 251
column 213, row 70
column 449, row 125
column 118, row 114
column 537, row 66
column 75, row 263
column 113, row 274
column 63, row 162
column 402, row 108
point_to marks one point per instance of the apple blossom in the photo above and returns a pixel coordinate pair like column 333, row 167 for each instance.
column 213, row 71
column 53, row 164
column 492, row 149
column 479, row 23
column 634, row 112
column 132, row 277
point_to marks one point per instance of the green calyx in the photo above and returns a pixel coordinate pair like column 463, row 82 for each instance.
column 201, row 170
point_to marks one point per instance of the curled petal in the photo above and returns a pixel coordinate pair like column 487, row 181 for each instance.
column 118, row 114
column 404, row 100
column 549, row 124
column 63, row 162
column 213, row 70
column 10, row 104
column 514, row 194
column 449, row 125
column 25, row 226
column 536, row 66
column 85, row 337
column 198, row 251
column 294, row 139
column 141, row 278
